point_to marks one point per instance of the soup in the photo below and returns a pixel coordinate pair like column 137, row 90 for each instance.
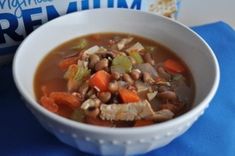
column 114, row 80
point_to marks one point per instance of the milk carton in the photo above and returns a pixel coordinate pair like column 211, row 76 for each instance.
column 18, row 18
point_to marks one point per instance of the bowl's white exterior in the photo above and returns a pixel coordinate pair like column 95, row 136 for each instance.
column 123, row 141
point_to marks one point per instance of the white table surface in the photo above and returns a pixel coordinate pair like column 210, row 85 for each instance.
column 197, row 12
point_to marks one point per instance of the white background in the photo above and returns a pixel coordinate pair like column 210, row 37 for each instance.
column 197, row 12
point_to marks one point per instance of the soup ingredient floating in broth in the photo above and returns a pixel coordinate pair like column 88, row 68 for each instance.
column 114, row 80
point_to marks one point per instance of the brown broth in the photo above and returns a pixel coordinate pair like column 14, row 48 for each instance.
column 50, row 75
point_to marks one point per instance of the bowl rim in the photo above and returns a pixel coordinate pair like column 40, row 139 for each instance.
column 119, row 131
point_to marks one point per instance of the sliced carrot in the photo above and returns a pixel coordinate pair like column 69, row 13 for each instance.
column 100, row 80
column 65, row 111
column 139, row 123
column 49, row 104
column 65, row 63
column 174, row 66
column 66, row 99
column 128, row 96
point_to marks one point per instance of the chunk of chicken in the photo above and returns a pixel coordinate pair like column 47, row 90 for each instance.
column 133, row 111
column 136, row 47
column 121, row 44
column 126, row 112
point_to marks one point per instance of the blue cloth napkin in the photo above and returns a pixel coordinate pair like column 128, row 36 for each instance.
column 213, row 134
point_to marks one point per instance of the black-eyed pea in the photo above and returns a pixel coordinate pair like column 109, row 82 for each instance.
column 169, row 95
column 161, row 71
column 113, row 86
column 116, row 75
column 163, row 88
column 148, row 78
column 128, row 79
column 104, row 96
column 102, row 64
column 148, row 58
column 93, row 59
column 135, row 74
column 92, row 112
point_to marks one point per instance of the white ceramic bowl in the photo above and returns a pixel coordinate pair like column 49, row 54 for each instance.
column 122, row 141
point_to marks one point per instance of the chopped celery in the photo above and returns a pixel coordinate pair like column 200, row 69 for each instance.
column 118, row 69
column 136, row 56
column 81, row 73
column 123, row 63
column 77, row 72
column 83, row 43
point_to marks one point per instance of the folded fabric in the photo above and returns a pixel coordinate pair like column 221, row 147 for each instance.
column 212, row 134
